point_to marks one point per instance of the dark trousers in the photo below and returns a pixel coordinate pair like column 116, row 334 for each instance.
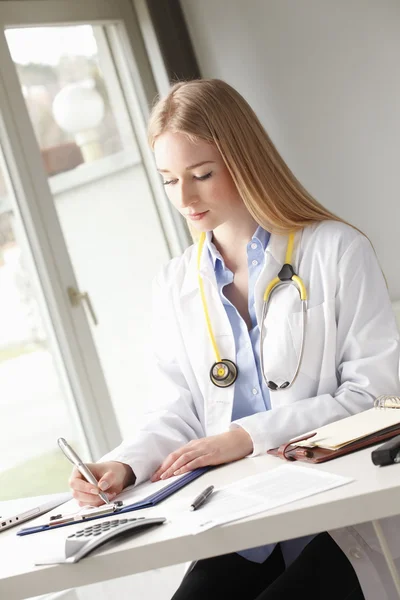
column 321, row 572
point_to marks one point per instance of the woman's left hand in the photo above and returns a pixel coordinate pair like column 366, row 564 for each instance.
column 214, row 450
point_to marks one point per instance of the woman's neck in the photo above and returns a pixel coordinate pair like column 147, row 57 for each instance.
column 231, row 242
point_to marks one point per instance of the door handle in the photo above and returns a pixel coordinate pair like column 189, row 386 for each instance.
column 76, row 298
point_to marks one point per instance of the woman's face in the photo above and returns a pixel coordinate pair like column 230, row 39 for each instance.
column 197, row 181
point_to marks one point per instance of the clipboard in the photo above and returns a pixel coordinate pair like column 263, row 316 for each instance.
column 147, row 502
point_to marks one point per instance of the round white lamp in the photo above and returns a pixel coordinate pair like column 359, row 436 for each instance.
column 78, row 109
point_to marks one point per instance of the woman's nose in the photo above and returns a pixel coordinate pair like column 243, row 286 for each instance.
column 186, row 198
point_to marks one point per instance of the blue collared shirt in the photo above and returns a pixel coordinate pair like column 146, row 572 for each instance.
column 251, row 394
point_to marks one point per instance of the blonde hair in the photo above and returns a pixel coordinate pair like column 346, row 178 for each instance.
column 211, row 110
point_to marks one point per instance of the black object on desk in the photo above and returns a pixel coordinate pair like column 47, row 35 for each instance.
column 201, row 498
column 388, row 453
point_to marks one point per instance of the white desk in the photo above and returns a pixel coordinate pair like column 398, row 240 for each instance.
column 374, row 495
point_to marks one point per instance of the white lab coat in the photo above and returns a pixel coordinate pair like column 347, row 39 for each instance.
column 351, row 356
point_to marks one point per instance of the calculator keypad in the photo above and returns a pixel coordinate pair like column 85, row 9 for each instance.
column 98, row 528
column 97, row 532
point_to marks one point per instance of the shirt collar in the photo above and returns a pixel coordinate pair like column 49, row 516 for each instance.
column 261, row 236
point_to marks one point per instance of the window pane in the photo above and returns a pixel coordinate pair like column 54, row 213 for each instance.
column 35, row 403
column 105, row 205
column 66, row 95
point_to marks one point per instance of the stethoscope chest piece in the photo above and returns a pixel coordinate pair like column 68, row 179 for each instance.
column 223, row 373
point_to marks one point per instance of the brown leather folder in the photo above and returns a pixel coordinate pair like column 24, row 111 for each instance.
column 314, row 454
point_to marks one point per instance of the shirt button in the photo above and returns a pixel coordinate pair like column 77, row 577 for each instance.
column 255, row 391
column 253, row 246
column 254, row 263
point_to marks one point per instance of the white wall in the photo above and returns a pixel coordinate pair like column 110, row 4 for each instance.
column 324, row 78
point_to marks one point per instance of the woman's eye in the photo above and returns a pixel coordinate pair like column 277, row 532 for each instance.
column 204, row 177
column 198, row 178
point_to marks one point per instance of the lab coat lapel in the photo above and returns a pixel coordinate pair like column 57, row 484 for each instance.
column 274, row 260
column 218, row 401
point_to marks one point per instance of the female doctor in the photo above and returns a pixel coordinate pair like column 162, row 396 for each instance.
column 249, row 354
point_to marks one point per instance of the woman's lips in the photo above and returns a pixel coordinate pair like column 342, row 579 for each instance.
column 197, row 216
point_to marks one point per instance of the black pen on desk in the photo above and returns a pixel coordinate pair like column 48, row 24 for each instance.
column 201, row 498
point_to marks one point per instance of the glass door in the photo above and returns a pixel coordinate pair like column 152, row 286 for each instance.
column 74, row 102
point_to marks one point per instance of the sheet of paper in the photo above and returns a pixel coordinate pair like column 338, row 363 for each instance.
column 352, row 428
column 129, row 495
column 262, row 492
column 136, row 493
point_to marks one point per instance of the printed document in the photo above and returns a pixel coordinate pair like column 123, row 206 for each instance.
column 262, row 492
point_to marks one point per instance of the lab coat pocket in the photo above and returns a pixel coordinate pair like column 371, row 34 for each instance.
column 280, row 358
column 319, row 340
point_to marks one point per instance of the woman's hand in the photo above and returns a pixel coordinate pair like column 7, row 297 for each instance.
column 112, row 477
column 214, row 450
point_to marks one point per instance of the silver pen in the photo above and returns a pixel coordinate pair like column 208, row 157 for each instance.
column 80, row 465
column 201, row 498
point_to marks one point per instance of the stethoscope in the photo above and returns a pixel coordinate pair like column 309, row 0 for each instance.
column 224, row 372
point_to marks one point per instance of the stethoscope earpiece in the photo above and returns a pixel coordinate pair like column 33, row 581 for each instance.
column 223, row 373
column 274, row 386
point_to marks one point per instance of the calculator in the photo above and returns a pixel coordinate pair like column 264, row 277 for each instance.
column 80, row 543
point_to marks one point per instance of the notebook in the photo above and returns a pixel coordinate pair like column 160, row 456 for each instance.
column 346, row 435
column 163, row 490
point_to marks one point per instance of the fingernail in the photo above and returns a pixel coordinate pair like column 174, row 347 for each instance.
column 177, row 472
column 93, row 491
column 163, row 476
column 104, row 485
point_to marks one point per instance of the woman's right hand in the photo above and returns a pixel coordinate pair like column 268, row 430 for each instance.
column 112, row 478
